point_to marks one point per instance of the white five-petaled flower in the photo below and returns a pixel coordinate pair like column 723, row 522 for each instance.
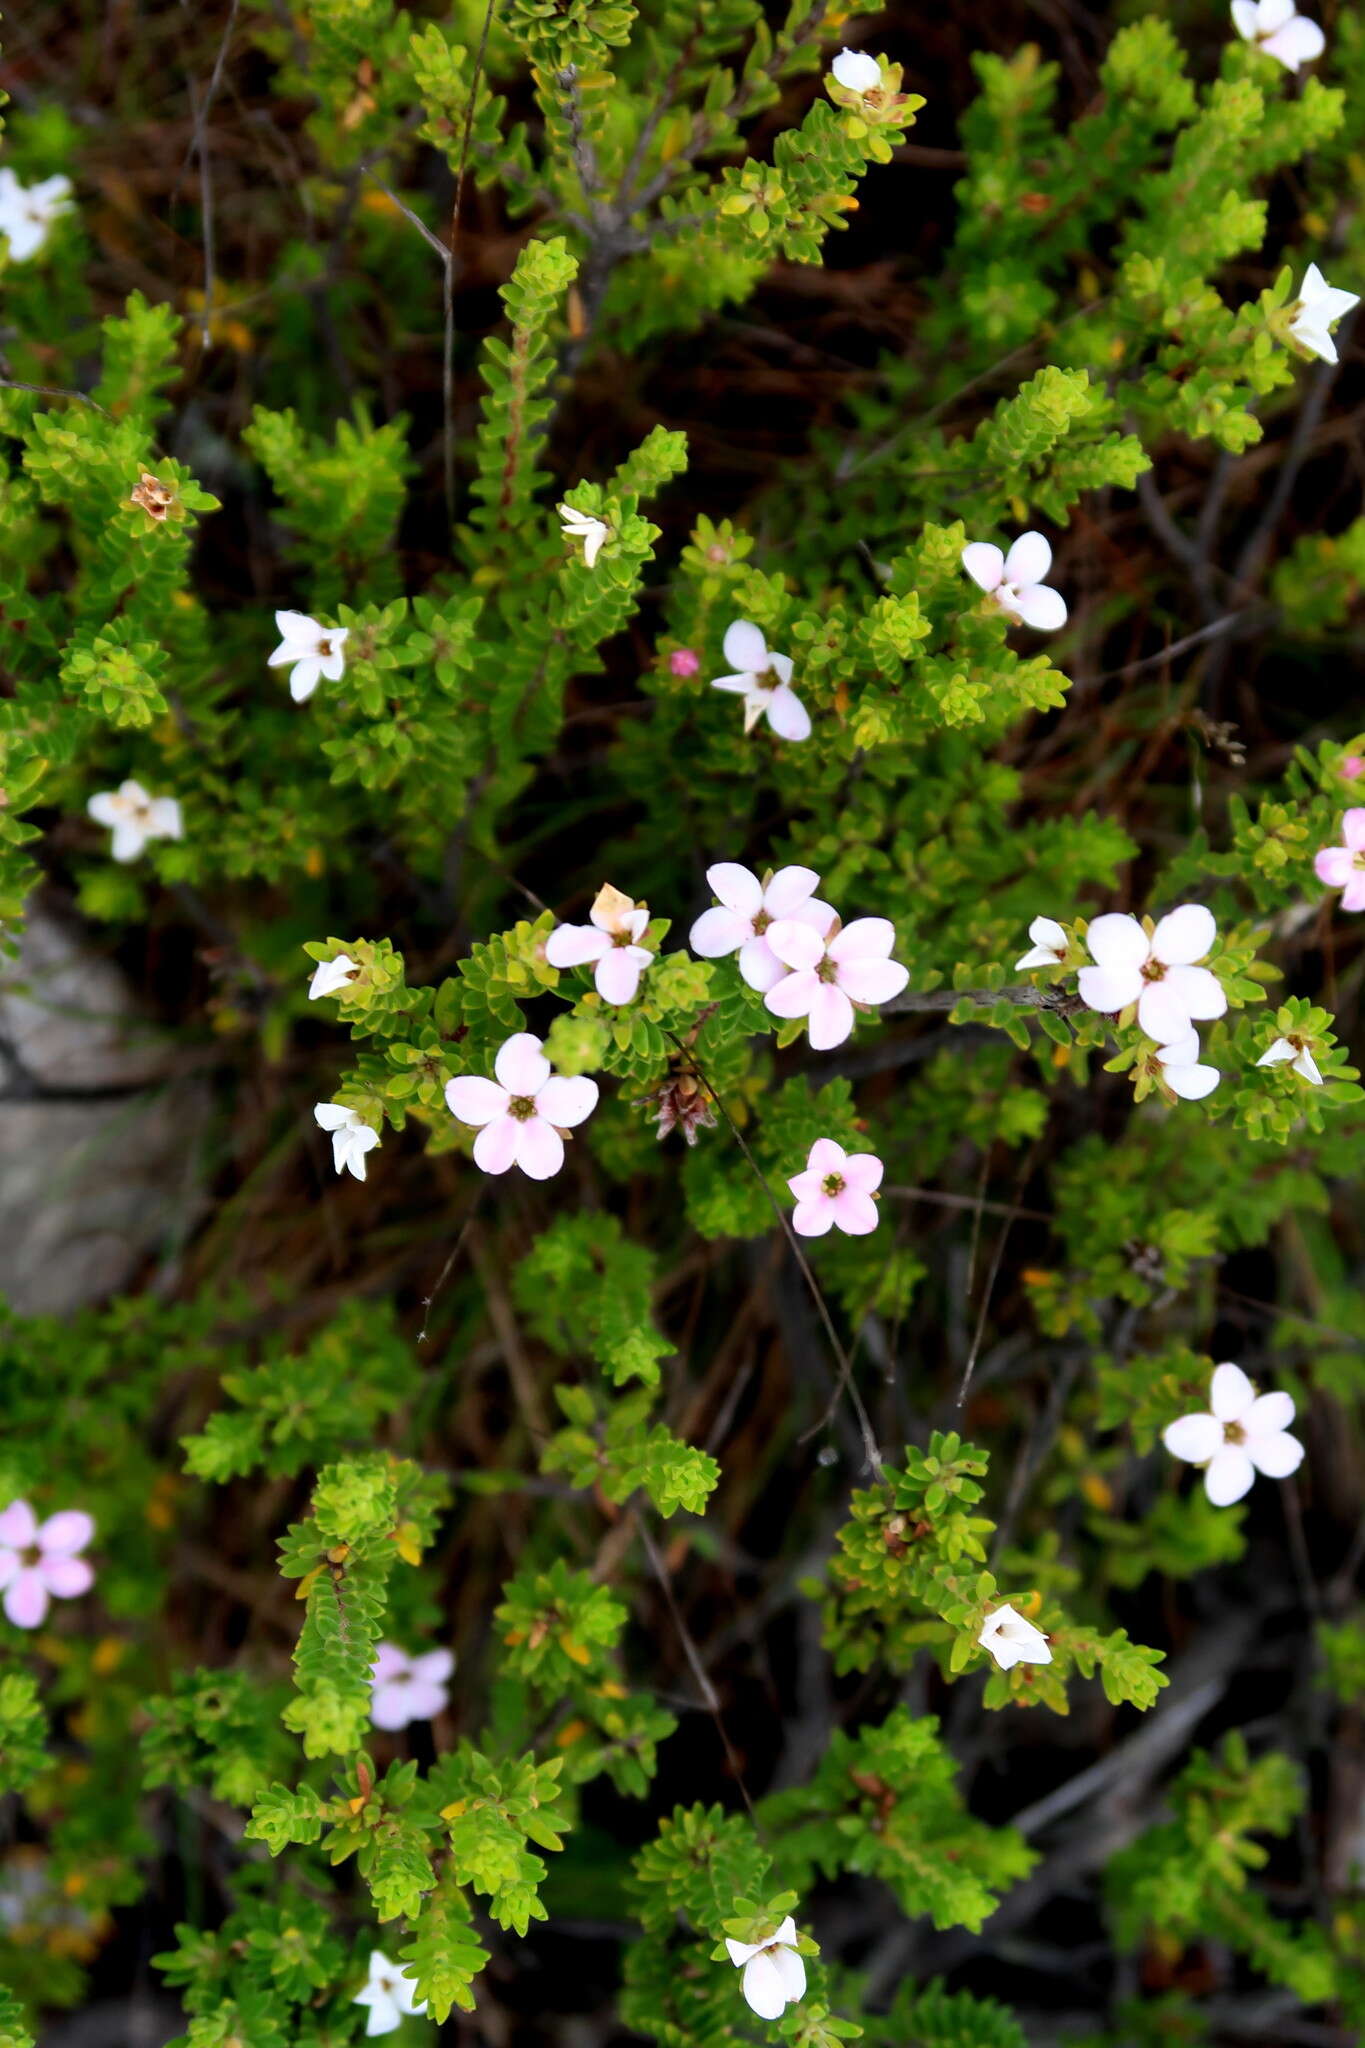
column 331, row 975
column 583, row 526
column 763, row 680
column 523, row 1115
column 611, row 942
column 1343, row 867
column 1280, row 30
column 404, row 1689
column 1015, row 580
column 830, row 974
column 1012, row 1639
column 135, row 818
column 1245, row 1434
column 1182, row 1070
column 352, row 1137
column 390, row 1995
column 28, row 211
column 1294, row 1050
column 1049, row 945
column 856, row 71
column 313, row 649
column 1159, row 973
column 39, row 1561
column 1320, row 306
column 834, row 1191
column 774, row 1974
column 747, row 910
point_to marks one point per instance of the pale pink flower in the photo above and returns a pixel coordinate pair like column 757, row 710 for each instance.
column 1352, row 767
column 763, row 680
column 522, row 1117
column 134, row 818
column 830, row 976
column 1182, row 1070
column 684, row 661
column 835, row 1191
column 1159, row 973
column 406, row 1689
column 39, row 1561
column 1276, row 27
column 1049, row 945
column 1343, row 867
column 1015, row 580
column 774, row 1974
column 747, row 910
column 1244, row 1435
column 610, row 941
column 856, row 71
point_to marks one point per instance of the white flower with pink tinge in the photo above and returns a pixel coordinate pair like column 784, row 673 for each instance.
column 1015, row 580
column 1343, row 867
column 524, row 1116
column 1245, row 1434
column 611, row 942
column 39, row 1561
column 406, row 1689
column 774, row 1974
column 763, row 680
column 831, row 975
column 1277, row 27
column 1159, row 973
column 835, row 1191
column 746, row 913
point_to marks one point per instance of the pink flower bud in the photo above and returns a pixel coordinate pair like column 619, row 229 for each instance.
column 1352, row 767
column 684, row 661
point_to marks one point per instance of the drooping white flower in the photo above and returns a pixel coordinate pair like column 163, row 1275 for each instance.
column 1245, row 1434
column 1320, row 306
column 856, row 71
column 1049, row 945
column 610, row 941
column 1015, row 580
column 763, row 680
column 1297, row 1052
column 313, row 649
column 1159, row 974
column 1182, row 1071
column 1011, row 1639
column 1278, row 29
column 774, row 1974
column 352, row 1137
column 331, row 975
column 406, row 1689
column 583, row 526
column 40, row 1561
column 740, row 922
column 834, row 1191
column 390, row 1994
column 135, row 818
column 830, row 975
column 523, row 1116
column 28, row 211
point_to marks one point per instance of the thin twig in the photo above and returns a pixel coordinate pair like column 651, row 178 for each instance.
column 708, row 1692
column 429, row 1300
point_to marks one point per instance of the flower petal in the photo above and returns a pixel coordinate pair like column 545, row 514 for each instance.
column 759, row 966
column 567, row 1099
column 540, row 1149
column 1029, row 560
column 495, row 1148
column 1274, row 1054
column 738, row 888
column 434, row 1667
column 1109, row 989
column 18, row 1525
column 1162, row 1013
column 984, row 563
column 720, row 931
column 1231, row 1393
column 792, row 1971
column 787, row 715
column 826, row 1156
column 1229, row 1476
column 795, row 943
column 831, row 1017
column 741, row 1951
column 66, row 1577
column 1244, row 15
column 475, row 1100
column 745, row 648
column 1277, row 1456
column 26, row 1600
column 1041, row 608
column 1300, row 41
column 1194, row 1438
column 867, row 938
column 813, row 1218
column 1353, row 828
column 62, row 1535
column 863, row 1170
column 1193, row 1081
column 855, row 1213
column 1117, row 941
column 794, row 994
column 573, row 945
column 1268, row 1415
column 521, row 1066
column 618, row 973
column 788, row 891
column 764, row 1990
column 1199, row 991
column 873, row 981
column 1184, row 935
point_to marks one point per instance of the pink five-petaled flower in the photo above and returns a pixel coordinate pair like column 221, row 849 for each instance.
column 763, row 680
column 836, row 1191
column 406, row 1689
column 1343, row 867
column 831, row 974
column 610, row 941
column 1277, row 27
column 1245, row 1434
column 1015, row 580
column 684, row 661
column 1159, row 973
column 39, row 1561
column 746, row 912
column 523, row 1115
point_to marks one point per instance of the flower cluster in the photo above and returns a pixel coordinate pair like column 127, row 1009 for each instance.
column 41, row 1561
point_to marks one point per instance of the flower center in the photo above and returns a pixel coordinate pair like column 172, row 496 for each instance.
column 761, row 923
column 832, row 1184
column 827, row 970
column 621, row 939
column 1359, row 860
column 522, row 1107
column 324, row 648
column 30, row 1557
column 1233, row 1433
column 1152, row 970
